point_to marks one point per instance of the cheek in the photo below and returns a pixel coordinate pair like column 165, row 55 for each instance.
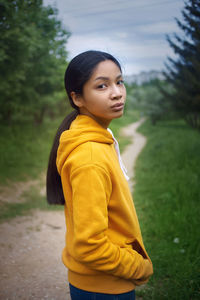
column 124, row 93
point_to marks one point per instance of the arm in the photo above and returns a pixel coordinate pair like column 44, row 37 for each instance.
column 92, row 188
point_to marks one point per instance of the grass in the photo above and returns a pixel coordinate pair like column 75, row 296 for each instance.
column 24, row 150
column 167, row 199
column 24, row 153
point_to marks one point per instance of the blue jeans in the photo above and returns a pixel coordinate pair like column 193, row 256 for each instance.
column 77, row 294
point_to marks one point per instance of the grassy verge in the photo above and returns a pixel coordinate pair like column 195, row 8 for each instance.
column 33, row 201
column 167, row 198
column 24, row 150
column 24, row 153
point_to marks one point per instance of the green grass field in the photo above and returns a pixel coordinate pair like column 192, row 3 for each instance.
column 167, row 199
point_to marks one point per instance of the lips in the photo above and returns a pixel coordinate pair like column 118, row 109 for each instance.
column 118, row 105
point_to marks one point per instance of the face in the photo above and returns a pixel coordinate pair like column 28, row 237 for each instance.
column 103, row 95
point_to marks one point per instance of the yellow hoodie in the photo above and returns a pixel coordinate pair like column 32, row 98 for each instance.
column 104, row 250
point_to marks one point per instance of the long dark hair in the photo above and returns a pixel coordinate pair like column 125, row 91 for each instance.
column 78, row 72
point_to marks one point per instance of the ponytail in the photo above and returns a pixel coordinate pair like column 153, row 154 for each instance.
column 53, row 180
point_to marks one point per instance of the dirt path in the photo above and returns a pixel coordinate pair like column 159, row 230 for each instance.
column 30, row 252
column 132, row 151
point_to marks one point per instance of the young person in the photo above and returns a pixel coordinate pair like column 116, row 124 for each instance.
column 104, row 252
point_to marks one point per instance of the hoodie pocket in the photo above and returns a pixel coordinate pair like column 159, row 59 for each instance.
column 137, row 247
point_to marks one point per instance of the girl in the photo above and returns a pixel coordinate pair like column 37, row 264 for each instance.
column 104, row 251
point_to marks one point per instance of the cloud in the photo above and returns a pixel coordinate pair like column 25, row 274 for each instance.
column 133, row 56
column 158, row 27
column 133, row 31
column 106, row 16
column 121, row 35
column 139, row 49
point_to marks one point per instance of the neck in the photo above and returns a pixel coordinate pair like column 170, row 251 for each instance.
column 103, row 122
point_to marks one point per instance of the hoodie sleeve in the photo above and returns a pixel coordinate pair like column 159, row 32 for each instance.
column 91, row 188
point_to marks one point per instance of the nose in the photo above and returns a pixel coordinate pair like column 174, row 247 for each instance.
column 116, row 92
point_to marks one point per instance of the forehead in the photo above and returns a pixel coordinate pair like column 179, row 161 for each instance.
column 106, row 68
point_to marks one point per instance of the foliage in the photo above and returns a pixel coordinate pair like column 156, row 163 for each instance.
column 183, row 72
column 32, row 60
column 149, row 100
column 167, row 201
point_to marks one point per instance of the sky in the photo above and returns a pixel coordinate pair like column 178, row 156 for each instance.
column 134, row 31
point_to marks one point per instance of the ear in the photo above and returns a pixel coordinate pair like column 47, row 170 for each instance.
column 77, row 99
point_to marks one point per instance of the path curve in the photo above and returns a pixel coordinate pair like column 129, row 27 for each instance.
column 30, row 247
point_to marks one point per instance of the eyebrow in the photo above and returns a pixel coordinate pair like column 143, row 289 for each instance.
column 106, row 78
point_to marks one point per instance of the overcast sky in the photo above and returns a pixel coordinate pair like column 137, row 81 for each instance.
column 132, row 30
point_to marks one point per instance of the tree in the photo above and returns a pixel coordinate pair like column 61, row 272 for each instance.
column 33, row 57
column 148, row 99
column 183, row 72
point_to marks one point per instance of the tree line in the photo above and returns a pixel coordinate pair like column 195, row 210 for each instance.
column 33, row 57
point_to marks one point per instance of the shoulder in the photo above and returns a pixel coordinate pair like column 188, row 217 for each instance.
column 90, row 153
column 88, row 162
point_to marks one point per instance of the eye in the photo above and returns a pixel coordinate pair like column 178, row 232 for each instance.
column 120, row 82
column 101, row 86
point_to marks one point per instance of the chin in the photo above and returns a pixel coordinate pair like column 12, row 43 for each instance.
column 118, row 115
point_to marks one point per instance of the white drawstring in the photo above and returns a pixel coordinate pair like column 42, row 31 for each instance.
column 116, row 145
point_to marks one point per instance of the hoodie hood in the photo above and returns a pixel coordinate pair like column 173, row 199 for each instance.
column 83, row 129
